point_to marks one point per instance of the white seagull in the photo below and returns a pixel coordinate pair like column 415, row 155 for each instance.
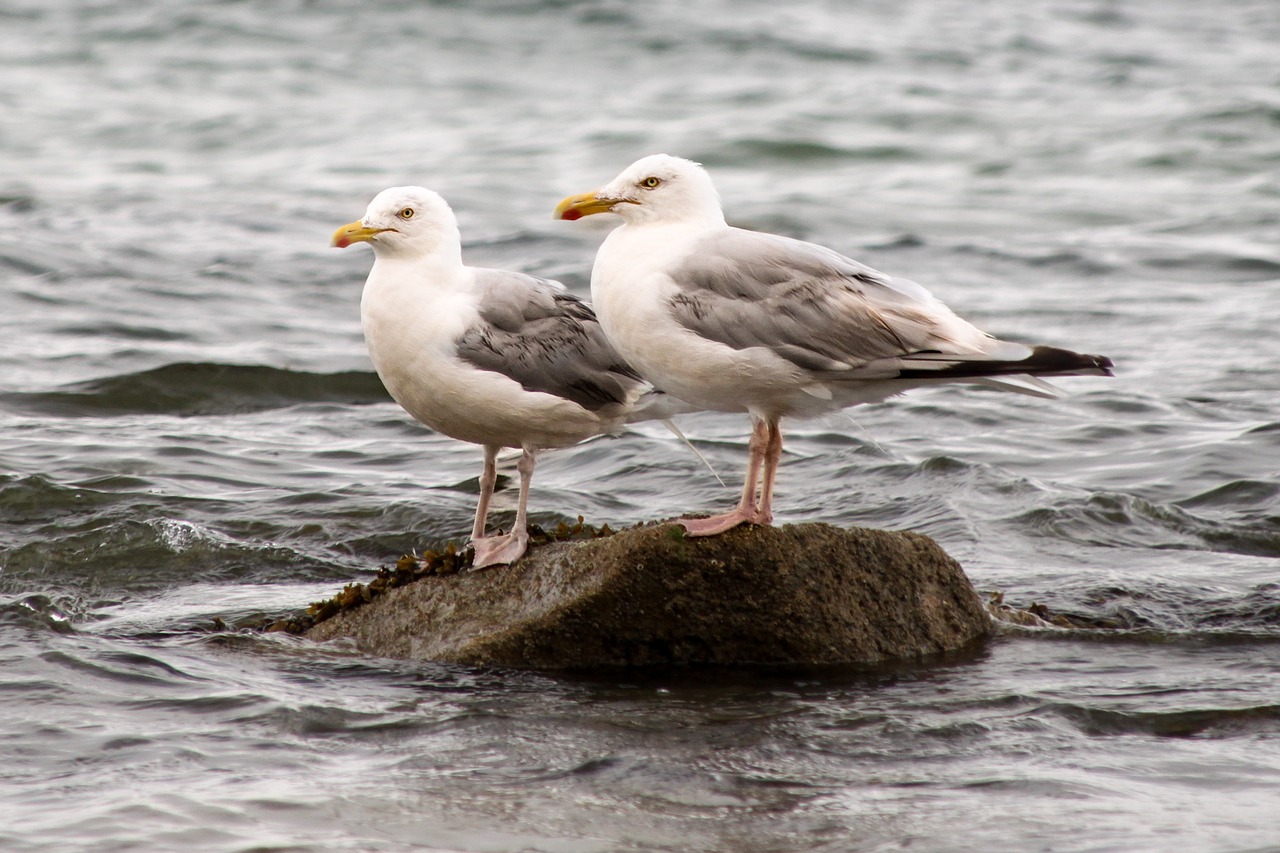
column 741, row 321
column 491, row 357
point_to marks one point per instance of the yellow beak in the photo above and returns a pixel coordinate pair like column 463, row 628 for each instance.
column 354, row 232
column 578, row 206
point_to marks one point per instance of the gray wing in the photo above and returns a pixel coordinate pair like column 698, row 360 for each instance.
column 533, row 331
column 810, row 305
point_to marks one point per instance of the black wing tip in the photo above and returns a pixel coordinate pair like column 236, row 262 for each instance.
column 1044, row 359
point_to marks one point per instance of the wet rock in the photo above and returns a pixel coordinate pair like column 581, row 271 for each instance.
column 806, row 594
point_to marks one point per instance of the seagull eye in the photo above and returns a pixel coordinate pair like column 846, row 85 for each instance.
column 407, row 213
column 650, row 182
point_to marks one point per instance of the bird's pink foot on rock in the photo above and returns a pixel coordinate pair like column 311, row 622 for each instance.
column 717, row 524
column 499, row 550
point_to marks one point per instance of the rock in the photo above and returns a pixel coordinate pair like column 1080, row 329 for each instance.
column 806, row 594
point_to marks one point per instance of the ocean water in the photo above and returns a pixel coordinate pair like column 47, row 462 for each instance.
column 190, row 429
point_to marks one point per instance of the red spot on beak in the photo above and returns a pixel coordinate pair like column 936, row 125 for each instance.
column 571, row 215
column 342, row 242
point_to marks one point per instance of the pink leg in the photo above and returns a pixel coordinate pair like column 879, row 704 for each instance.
column 500, row 550
column 487, row 481
column 772, row 456
column 746, row 511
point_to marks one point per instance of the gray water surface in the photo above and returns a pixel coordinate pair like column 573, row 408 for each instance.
column 190, row 428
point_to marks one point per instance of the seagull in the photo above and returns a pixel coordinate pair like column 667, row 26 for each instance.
column 492, row 357
column 734, row 320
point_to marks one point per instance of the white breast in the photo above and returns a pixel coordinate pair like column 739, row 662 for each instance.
column 412, row 332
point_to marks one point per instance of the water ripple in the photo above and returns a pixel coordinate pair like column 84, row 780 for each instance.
column 1111, row 519
column 199, row 390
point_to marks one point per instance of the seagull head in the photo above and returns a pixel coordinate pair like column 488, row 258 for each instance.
column 658, row 189
column 405, row 222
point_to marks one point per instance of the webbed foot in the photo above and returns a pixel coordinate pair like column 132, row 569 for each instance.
column 717, row 524
column 499, row 550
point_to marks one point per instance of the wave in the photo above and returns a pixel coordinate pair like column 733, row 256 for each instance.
column 760, row 41
column 1119, row 520
column 1212, row 722
column 1083, row 261
column 1144, row 610
column 792, row 151
column 199, row 388
column 38, row 611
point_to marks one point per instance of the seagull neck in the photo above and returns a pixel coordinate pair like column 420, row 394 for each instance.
column 440, row 270
column 698, row 218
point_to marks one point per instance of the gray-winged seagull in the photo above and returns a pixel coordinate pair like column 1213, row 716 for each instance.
column 740, row 321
